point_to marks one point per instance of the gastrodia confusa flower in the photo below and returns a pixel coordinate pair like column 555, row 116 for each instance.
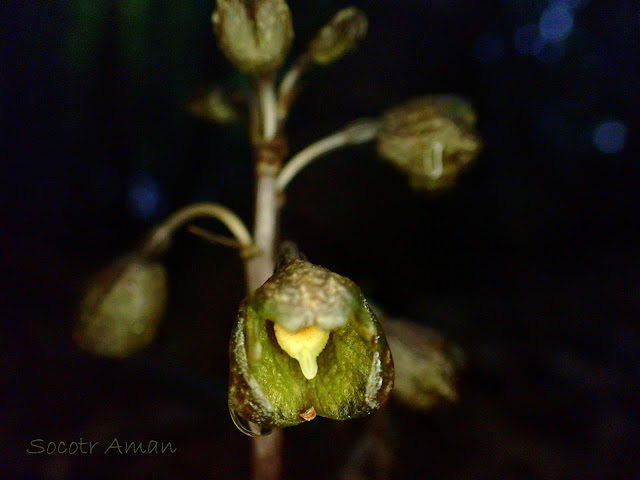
column 338, row 37
column 431, row 139
column 306, row 343
column 426, row 365
column 255, row 35
column 122, row 307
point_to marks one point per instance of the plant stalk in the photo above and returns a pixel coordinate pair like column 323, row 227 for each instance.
column 266, row 451
column 160, row 238
column 358, row 132
column 259, row 267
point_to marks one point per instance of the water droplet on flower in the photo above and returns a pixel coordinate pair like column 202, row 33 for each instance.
column 249, row 428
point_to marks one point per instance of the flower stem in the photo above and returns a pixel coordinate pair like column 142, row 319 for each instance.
column 266, row 451
column 360, row 131
column 259, row 267
column 268, row 107
column 289, row 85
column 160, row 238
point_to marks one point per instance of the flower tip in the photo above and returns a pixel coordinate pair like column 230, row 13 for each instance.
column 309, row 414
column 308, row 365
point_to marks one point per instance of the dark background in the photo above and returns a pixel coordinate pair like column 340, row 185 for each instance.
column 531, row 264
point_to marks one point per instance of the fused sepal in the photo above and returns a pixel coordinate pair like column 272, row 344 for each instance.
column 354, row 369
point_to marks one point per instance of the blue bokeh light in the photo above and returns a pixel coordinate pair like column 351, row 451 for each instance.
column 489, row 48
column 556, row 22
column 145, row 197
column 527, row 40
column 610, row 136
column 572, row 4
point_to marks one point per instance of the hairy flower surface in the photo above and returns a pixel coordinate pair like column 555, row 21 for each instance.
column 306, row 343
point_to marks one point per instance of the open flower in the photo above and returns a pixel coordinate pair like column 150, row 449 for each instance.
column 306, row 343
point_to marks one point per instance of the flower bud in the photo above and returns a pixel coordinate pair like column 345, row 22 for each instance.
column 214, row 106
column 431, row 139
column 306, row 343
column 255, row 35
column 338, row 37
column 426, row 365
column 122, row 307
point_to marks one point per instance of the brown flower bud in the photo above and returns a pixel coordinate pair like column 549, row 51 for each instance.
column 338, row 37
column 122, row 307
column 431, row 139
column 255, row 35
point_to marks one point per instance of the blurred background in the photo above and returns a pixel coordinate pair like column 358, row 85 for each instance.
column 530, row 264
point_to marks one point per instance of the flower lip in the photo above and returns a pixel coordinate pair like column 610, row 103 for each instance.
column 304, row 345
column 302, row 294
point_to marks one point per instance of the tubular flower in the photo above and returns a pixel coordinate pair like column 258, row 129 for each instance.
column 306, row 343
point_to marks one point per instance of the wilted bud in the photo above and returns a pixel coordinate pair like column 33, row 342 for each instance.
column 339, row 36
column 306, row 343
column 255, row 35
column 122, row 307
column 426, row 365
column 431, row 139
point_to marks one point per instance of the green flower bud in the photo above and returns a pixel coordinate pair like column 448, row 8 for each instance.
column 338, row 37
column 216, row 107
column 306, row 343
column 431, row 139
column 255, row 35
column 426, row 366
column 122, row 307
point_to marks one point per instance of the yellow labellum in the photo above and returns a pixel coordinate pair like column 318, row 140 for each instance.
column 304, row 345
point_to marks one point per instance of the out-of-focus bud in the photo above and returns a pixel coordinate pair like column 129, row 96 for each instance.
column 338, row 37
column 306, row 343
column 255, row 35
column 426, row 365
column 431, row 139
column 122, row 306
column 214, row 106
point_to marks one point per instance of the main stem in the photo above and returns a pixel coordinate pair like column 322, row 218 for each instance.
column 267, row 451
column 260, row 266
